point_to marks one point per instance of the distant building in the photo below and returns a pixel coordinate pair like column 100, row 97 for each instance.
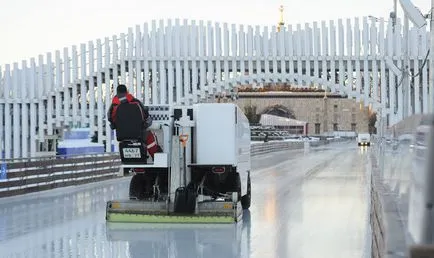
column 283, row 123
column 323, row 115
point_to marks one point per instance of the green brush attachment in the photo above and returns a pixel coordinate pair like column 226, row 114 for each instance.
column 133, row 211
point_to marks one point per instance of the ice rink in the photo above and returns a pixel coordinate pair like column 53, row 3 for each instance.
column 303, row 205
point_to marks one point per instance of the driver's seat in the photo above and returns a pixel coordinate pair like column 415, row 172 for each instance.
column 129, row 133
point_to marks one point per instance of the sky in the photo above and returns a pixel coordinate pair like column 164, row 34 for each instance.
column 31, row 27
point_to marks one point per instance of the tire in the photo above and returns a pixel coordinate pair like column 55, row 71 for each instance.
column 246, row 199
column 139, row 187
column 237, row 187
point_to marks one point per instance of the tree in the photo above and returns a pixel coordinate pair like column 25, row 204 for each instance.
column 372, row 121
column 250, row 112
column 280, row 110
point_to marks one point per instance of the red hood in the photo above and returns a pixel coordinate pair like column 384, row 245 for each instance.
column 117, row 99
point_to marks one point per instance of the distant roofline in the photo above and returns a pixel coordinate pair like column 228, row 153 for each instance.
column 283, row 94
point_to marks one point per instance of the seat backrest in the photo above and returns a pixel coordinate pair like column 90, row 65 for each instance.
column 129, row 122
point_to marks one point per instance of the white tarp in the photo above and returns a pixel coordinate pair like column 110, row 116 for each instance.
column 280, row 121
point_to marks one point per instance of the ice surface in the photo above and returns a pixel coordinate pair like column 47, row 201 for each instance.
column 303, row 205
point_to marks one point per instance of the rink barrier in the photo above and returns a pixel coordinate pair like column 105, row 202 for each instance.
column 378, row 245
column 38, row 174
column 389, row 206
column 267, row 147
column 396, row 172
column 388, row 211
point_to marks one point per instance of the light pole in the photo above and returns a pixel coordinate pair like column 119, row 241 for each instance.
column 431, row 61
column 412, row 13
column 405, row 79
column 394, row 14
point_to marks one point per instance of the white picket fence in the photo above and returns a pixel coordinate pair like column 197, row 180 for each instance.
column 168, row 62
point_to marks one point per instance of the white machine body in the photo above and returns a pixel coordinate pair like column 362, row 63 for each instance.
column 218, row 137
column 223, row 135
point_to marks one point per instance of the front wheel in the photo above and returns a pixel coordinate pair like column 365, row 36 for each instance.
column 246, row 199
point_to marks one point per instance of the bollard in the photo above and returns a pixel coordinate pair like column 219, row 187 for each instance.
column 306, row 147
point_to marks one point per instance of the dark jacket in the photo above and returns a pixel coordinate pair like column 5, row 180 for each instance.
column 123, row 98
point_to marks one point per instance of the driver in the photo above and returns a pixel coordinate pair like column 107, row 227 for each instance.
column 123, row 96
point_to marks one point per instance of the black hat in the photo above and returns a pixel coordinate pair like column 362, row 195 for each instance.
column 121, row 89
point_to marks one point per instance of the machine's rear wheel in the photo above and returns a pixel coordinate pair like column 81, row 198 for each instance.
column 139, row 187
column 246, row 199
column 237, row 186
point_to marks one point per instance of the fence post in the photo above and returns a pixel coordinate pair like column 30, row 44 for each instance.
column 121, row 171
column 306, row 147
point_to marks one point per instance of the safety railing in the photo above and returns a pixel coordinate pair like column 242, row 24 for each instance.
column 37, row 174
column 267, row 147
column 401, row 184
column 21, row 176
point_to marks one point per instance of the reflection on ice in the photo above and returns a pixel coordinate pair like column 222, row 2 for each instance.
column 65, row 222
column 181, row 240
column 81, row 239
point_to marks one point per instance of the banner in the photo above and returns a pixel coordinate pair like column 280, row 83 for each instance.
column 3, row 172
